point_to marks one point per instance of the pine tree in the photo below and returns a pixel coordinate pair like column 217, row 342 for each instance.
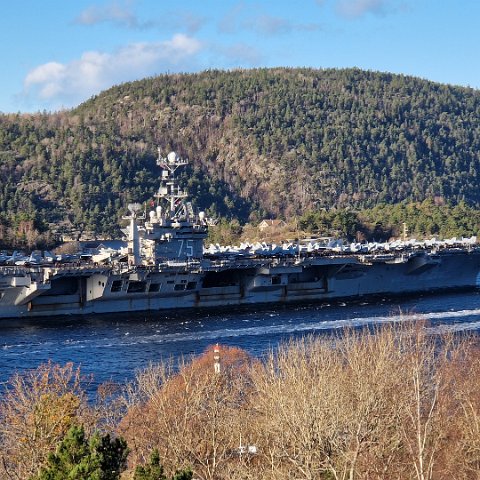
column 186, row 474
column 77, row 458
column 154, row 470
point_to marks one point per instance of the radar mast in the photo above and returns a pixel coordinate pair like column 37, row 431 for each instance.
column 169, row 191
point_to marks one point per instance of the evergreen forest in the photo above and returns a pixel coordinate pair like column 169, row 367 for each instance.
column 264, row 143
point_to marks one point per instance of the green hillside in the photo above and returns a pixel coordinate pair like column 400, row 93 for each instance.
column 276, row 142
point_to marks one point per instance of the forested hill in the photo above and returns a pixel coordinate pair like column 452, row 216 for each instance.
column 274, row 142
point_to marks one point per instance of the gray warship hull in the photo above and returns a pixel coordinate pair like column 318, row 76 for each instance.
column 167, row 268
column 29, row 292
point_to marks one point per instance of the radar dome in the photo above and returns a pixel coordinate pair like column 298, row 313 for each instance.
column 172, row 157
column 134, row 207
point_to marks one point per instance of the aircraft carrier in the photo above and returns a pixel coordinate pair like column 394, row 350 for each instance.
column 166, row 267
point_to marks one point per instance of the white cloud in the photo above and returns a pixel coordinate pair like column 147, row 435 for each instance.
column 114, row 12
column 122, row 15
column 48, row 76
column 241, row 18
column 357, row 8
column 68, row 84
column 268, row 25
column 185, row 21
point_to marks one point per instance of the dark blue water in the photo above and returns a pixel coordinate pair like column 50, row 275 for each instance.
column 113, row 347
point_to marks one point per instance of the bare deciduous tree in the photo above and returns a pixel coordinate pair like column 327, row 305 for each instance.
column 191, row 416
column 36, row 410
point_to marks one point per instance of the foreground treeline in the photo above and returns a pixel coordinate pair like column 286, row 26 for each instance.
column 396, row 403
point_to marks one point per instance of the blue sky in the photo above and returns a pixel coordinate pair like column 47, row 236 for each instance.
column 58, row 53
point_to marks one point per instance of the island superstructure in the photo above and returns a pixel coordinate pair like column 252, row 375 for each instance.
column 166, row 267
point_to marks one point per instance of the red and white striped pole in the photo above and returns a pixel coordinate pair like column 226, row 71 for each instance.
column 216, row 359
